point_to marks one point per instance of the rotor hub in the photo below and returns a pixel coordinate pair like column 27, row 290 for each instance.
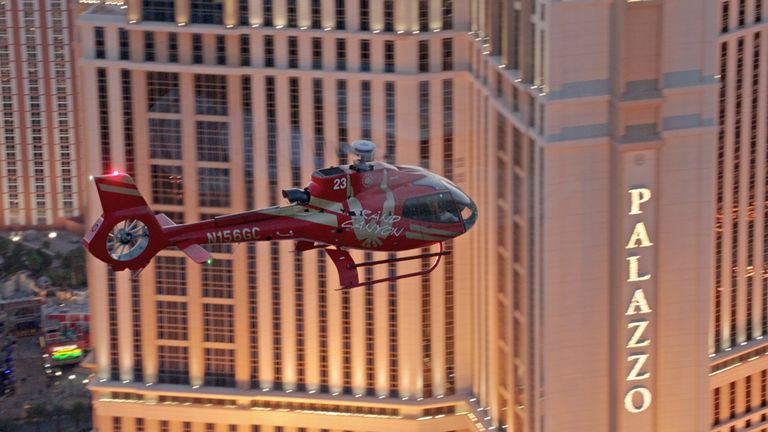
column 127, row 240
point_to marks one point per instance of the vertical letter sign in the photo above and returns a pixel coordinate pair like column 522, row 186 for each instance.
column 638, row 310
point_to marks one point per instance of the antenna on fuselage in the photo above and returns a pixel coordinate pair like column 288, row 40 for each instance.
column 364, row 150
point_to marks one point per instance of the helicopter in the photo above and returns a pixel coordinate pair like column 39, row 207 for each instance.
column 368, row 205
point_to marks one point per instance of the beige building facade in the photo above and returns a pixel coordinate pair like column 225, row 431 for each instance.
column 585, row 131
column 39, row 172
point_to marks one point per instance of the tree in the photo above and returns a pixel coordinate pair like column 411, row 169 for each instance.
column 36, row 413
column 57, row 412
column 79, row 412
column 8, row 424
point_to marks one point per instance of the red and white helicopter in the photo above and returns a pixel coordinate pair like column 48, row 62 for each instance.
column 372, row 206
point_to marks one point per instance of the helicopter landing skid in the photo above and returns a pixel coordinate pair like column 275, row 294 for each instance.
column 347, row 267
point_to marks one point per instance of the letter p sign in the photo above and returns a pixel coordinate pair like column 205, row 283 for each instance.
column 637, row 197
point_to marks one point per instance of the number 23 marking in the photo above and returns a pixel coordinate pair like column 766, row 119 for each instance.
column 340, row 183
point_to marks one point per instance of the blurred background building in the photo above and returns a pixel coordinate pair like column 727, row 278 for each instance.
column 586, row 133
column 39, row 173
column 739, row 319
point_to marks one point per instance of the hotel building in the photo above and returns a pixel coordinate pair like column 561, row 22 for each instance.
column 585, row 130
column 39, row 173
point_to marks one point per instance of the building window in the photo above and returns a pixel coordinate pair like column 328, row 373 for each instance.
column 293, row 52
column 219, row 367
column 165, row 426
column 341, row 116
column 139, row 424
column 291, row 6
column 149, row 46
column 389, row 110
column 213, row 189
column 316, row 14
column 271, row 115
column 253, row 311
column 423, row 15
column 294, row 110
column 158, row 10
column 173, row 367
column 389, row 16
column 298, row 271
column 171, row 320
column 170, row 275
column 173, row 48
column 341, row 54
column 114, row 347
column 389, row 56
column 117, row 424
column 318, row 124
column 346, row 341
column 424, row 123
column 277, row 344
column 365, row 55
column 218, row 323
column 365, row 109
column 221, row 50
column 269, row 51
column 127, row 93
column 447, row 54
column 447, row 14
column 217, row 279
column 165, row 139
column 138, row 362
column 317, row 53
column 206, row 11
column 340, row 15
column 244, row 12
column 245, row 50
column 724, row 16
column 267, row 13
column 424, row 56
column 125, row 47
column 212, row 141
column 742, row 13
column 98, row 36
column 102, row 84
column 365, row 18
column 197, row 48
column 211, row 94
column 166, row 185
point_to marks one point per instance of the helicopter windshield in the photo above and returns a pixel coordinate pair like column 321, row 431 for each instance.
column 465, row 206
column 438, row 207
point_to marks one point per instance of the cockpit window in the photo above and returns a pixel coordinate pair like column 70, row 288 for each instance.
column 437, row 207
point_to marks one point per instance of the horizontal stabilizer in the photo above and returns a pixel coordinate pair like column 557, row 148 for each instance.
column 196, row 253
column 164, row 220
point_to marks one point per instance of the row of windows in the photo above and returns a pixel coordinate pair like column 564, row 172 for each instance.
column 738, row 282
column 734, row 13
column 211, row 12
column 317, row 46
column 741, row 398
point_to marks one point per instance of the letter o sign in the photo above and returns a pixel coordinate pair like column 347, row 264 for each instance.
column 645, row 400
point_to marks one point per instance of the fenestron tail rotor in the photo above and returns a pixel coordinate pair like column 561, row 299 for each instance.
column 127, row 239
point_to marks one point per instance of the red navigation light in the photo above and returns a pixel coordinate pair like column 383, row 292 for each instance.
column 115, row 172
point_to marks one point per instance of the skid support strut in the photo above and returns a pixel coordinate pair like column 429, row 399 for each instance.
column 347, row 267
